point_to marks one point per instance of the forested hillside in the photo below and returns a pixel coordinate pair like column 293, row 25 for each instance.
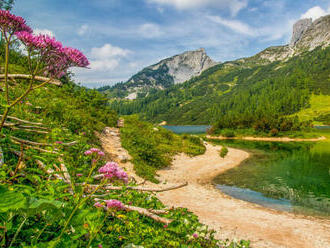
column 238, row 94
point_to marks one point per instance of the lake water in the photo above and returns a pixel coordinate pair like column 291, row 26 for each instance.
column 292, row 177
column 188, row 129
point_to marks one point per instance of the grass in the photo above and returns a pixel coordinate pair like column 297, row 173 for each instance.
column 319, row 106
column 153, row 147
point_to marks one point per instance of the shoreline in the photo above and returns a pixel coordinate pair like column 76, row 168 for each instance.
column 275, row 139
column 233, row 218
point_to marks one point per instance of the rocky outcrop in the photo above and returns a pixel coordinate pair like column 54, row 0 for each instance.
column 306, row 36
column 170, row 71
column 298, row 30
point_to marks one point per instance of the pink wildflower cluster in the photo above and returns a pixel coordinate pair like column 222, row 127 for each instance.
column 94, row 151
column 112, row 170
column 57, row 58
column 114, row 204
column 10, row 23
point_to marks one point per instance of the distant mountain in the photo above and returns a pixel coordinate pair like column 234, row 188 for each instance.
column 168, row 72
column 306, row 36
column 275, row 82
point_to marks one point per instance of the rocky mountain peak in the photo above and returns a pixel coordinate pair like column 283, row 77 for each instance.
column 298, row 30
column 170, row 71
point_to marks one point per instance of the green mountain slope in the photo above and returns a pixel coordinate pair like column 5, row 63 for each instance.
column 238, row 92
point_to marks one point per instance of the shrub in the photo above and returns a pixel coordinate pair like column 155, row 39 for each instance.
column 223, row 152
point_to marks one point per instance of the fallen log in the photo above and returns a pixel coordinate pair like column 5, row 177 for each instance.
column 142, row 211
column 38, row 78
column 110, row 187
column 23, row 121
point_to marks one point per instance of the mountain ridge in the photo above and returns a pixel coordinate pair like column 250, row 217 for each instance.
column 240, row 90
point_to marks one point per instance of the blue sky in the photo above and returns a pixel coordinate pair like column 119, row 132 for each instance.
column 120, row 37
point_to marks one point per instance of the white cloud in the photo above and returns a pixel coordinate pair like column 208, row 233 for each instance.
column 83, row 29
column 149, row 30
column 233, row 5
column 44, row 31
column 109, row 51
column 105, row 64
column 235, row 25
column 315, row 13
column 107, row 57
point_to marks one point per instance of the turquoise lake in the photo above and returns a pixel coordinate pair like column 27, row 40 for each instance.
column 293, row 176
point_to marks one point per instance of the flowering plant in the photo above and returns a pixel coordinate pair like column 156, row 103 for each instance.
column 46, row 56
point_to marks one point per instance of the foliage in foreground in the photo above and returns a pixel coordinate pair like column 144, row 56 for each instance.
column 153, row 147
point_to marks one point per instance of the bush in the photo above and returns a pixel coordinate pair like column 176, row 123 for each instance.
column 223, row 152
column 228, row 133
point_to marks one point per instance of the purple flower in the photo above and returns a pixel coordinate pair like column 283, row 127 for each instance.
column 10, row 23
column 195, row 235
column 98, row 205
column 94, row 150
column 112, row 170
column 57, row 59
column 114, row 204
column 100, row 153
column 88, row 152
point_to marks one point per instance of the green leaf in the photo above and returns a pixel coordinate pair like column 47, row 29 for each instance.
column 10, row 200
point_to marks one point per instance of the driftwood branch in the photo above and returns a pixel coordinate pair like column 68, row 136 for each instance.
column 147, row 213
column 110, row 187
column 30, row 130
column 143, row 211
column 49, row 170
column 23, row 121
column 38, row 78
column 28, row 142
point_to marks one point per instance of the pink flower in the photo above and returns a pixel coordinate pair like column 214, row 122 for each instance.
column 88, row 152
column 98, row 205
column 56, row 58
column 100, row 153
column 79, row 175
column 114, row 204
column 100, row 246
column 94, row 150
column 195, row 235
column 165, row 226
column 10, row 23
column 112, row 170
column 58, row 142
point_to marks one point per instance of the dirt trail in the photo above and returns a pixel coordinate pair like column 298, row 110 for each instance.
column 230, row 218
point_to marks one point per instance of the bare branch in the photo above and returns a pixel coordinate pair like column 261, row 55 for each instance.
column 38, row 78
column 110, row 187
column 143, row 211
column 147, row 213
column 23, row 121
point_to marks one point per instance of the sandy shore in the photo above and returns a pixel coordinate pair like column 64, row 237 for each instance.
column 233, row 218
column 230, row 218
column 277, row 139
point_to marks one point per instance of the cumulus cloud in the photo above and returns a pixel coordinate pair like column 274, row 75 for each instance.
column 83, row 29
column 315, row 13
column 44, row 31
column 150, row 30
column 107, row 57
column 233, row 5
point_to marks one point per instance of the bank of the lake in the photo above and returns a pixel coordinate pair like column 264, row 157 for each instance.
column 291, row 177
